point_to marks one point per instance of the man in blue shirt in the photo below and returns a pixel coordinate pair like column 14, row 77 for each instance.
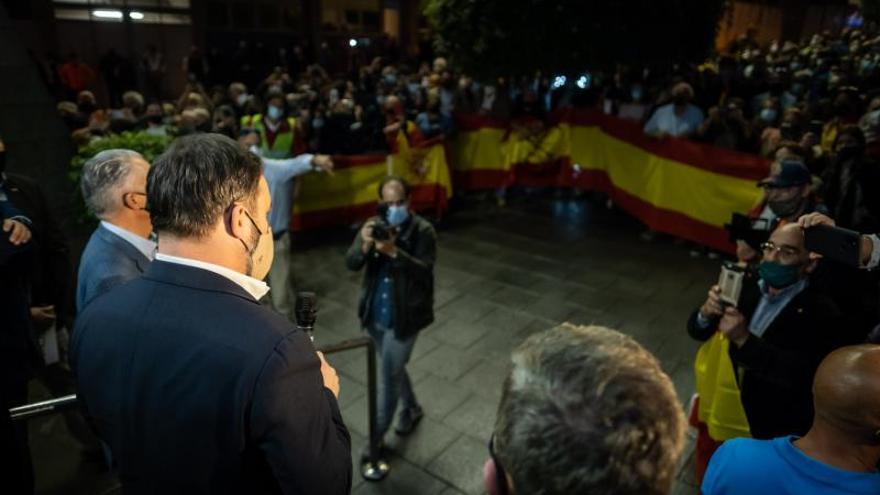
column 840, row 453
column 281, row 175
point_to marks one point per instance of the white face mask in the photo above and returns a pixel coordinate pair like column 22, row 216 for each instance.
column 242, row 99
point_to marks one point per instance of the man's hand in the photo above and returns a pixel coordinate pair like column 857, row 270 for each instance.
column 323, row 162
column 19, row 233
column 250, row 139
column 813, row 219
column 712, row 308
column 331, row 379
column 388, row 248
column 42, row 317
column 367, row 236
column 733, row 326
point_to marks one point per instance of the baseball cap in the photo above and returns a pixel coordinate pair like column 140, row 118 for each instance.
column 792, row 173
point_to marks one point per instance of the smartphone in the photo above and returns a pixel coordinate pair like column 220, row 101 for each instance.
column 731, row 282
column 834, row 243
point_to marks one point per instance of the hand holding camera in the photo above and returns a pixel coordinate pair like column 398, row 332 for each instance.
column 713, row 307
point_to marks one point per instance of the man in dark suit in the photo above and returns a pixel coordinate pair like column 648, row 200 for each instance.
column 114, row 185
column 194, row 385
column 778, row 341
column 19, row 358
column 51, row 271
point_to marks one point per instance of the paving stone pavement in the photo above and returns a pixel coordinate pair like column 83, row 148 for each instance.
column 501, row 275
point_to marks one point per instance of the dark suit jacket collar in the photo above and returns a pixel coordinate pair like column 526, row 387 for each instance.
column 195, row 278
column 132, row 252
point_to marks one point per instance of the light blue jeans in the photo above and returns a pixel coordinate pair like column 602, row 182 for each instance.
column 394, row 383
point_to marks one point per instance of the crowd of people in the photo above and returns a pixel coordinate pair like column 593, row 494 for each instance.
column 191, row 237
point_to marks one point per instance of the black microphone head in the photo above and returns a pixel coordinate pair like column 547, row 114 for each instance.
column 306, row 310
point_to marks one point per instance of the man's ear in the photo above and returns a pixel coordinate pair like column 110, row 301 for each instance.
column 134, row 201
column 236, row 222
column 812, row 264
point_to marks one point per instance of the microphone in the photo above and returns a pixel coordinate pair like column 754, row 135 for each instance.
column 306, row 312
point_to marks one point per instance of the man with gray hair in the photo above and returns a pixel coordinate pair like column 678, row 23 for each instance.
column 585, row 410
column 114, row 186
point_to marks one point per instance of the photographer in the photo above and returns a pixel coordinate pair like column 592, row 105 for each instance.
column 778, row 338
column 398, row 249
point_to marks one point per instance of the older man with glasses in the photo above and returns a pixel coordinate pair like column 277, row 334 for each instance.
column 779, row 337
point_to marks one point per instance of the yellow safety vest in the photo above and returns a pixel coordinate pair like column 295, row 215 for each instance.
column 282, row 147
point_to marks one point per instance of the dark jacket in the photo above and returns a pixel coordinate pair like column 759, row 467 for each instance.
column 412, row 272
column 51, row 270
column 776, row 370
column 19, row 355
column 107, row 261
column 197, row 388
column 855, row 204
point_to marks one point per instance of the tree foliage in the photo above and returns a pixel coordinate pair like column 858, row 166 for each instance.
column 491, row 38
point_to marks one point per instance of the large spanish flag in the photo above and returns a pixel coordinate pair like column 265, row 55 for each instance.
column 674, row 186
column 350, row 194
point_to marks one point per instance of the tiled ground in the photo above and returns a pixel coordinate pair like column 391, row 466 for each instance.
column 502, row 274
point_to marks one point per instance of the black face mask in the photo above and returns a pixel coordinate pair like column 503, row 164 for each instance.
column 226, row 131
column 2, row 161
column 786, row 208
column 679, row 101
column 155, row 119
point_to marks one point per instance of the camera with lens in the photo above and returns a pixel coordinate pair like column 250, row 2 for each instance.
column 382, row 231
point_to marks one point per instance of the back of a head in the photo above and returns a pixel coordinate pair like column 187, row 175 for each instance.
column 104, row 179
column 196, row 180
column 588, row 410
column 846, row 392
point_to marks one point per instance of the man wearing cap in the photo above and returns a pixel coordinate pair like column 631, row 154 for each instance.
column 788, row 194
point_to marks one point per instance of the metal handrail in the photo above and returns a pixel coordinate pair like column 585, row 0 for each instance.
column 372, row 469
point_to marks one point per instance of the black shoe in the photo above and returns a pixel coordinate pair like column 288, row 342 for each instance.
column 408, row 421
column 382, row 452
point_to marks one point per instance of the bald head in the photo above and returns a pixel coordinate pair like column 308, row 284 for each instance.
column 846, row 392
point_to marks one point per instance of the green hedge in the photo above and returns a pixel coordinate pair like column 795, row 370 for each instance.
column 145, row 144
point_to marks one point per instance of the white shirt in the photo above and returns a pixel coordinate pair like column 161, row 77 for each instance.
column 145, row 246
column 665, row 120
column 256, row 288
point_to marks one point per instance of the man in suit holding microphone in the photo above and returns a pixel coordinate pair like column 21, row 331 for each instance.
column 194, row 385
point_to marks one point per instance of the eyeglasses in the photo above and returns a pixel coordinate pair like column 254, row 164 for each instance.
column 500, row 474
column 785, row 253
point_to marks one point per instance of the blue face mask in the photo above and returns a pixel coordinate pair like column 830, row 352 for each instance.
column 768, row 114
column 397, row 215
column 317, row 123
column 390, row 79
column 779, row 276
column 274, row 112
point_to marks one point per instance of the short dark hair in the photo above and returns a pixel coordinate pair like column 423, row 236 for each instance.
column 196, row 180
column 588, row 410
column 394, row 178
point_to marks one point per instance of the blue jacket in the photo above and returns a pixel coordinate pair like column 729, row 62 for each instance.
column 197, row 388
column 107, row 261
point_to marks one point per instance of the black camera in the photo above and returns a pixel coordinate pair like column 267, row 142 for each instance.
column 382, row 231
column 753, row 231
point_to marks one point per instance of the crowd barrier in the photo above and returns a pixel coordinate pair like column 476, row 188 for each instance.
column 674, row 186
